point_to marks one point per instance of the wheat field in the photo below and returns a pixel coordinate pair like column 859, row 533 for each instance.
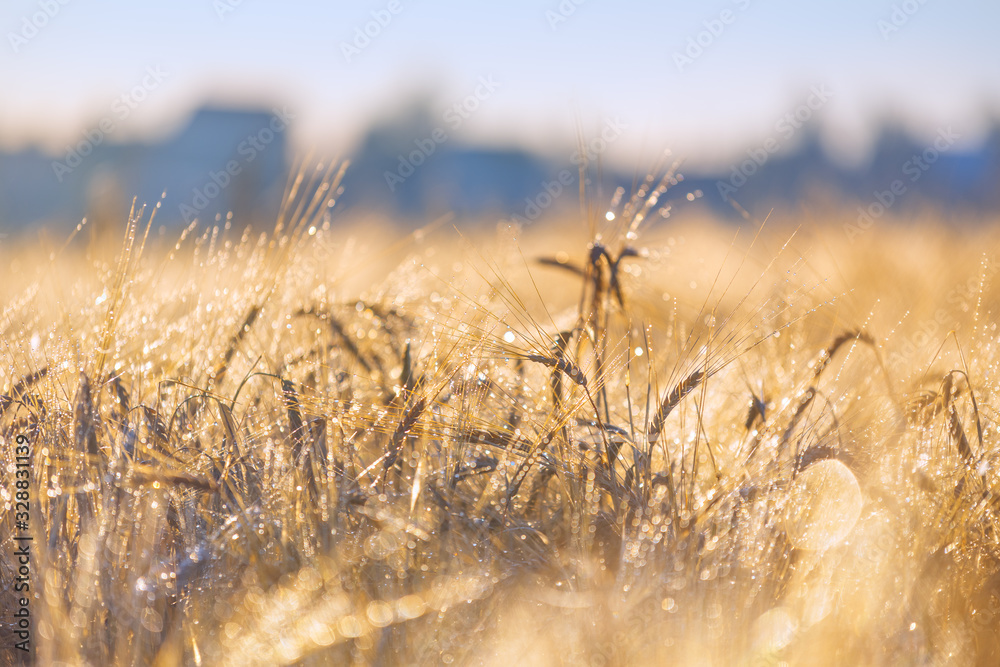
column 611, row 438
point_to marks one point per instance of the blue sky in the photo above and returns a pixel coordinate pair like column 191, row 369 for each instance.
column 928, row 63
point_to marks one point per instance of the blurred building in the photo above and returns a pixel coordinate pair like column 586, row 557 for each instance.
column 412, row 168
column 222, row 160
